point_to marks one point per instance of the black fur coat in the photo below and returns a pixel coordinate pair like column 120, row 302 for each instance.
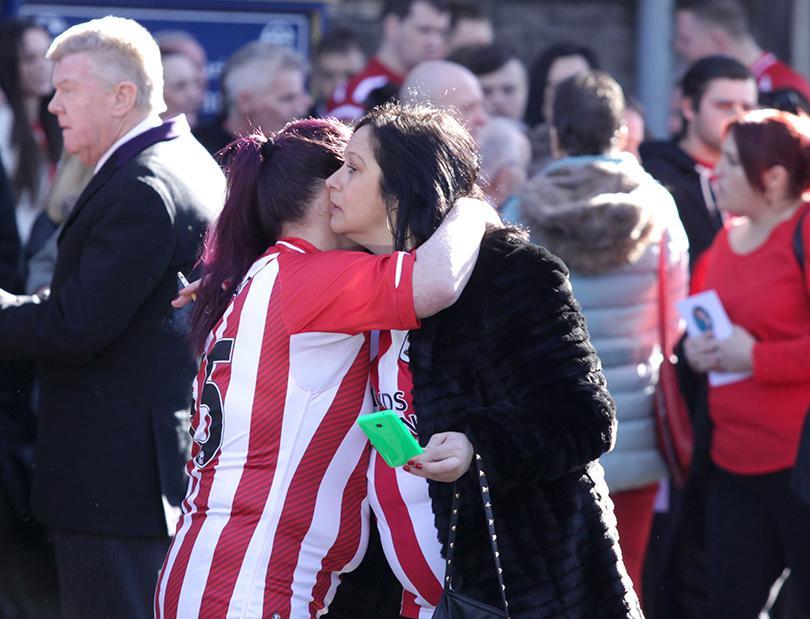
column 511, row 366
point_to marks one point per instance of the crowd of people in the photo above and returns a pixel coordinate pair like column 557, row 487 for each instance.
column 494, row 250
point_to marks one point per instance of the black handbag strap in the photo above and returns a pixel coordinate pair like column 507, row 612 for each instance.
column 493, row 537
column 798, row 240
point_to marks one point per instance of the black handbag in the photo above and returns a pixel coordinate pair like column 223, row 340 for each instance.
column 455, row 605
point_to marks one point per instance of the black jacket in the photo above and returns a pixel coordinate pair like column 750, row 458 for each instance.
column 677, row 171
column 510, row 365
column 115, row 366
column 9, row 239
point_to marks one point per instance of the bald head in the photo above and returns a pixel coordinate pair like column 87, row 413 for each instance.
column 447, row 85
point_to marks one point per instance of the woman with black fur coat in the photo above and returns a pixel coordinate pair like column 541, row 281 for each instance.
column 507, row 372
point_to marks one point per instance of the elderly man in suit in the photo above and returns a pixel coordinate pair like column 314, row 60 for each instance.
column 115, row 367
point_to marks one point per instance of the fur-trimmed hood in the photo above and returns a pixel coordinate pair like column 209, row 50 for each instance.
column 596, row 213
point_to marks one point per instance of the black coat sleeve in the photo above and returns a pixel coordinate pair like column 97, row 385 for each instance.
column 542, row 408
column 124, row 257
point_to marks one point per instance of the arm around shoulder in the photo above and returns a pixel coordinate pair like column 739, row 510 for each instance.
column 446, row 260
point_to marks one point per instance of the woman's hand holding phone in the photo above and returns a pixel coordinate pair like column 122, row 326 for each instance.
column 447, row 457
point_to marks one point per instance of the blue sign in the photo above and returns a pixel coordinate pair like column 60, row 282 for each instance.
column 220, row 27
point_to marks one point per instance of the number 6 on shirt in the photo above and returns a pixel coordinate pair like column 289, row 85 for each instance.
column 390, row 437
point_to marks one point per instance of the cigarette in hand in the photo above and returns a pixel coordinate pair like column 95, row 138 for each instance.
column 185, row 284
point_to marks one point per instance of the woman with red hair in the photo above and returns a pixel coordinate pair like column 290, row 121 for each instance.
column 755, row 525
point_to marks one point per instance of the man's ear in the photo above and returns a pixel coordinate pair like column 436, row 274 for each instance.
column 244, row 103
column 620, row 139
column 125, row 95
column 390, row 26
column 720, row 40
column 687, row 109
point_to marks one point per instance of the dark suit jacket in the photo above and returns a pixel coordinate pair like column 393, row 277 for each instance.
column 115, row 366
column 9, row 240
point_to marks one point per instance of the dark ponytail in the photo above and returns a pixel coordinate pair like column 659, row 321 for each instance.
column 271, row 182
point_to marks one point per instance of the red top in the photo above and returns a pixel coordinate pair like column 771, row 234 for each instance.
column 348, row 100
column 757, row 421
column 771, row 74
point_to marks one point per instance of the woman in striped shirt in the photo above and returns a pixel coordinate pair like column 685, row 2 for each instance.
column 276, row 503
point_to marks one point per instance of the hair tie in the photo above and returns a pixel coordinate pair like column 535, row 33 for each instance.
column 267, row 148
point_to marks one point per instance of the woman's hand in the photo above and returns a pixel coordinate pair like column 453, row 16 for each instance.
column 701, row 352
column 186, row 295
column 732, row 354
column 736, row 352
column 447, row 457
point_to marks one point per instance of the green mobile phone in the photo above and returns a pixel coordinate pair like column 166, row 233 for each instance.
column 390, row 436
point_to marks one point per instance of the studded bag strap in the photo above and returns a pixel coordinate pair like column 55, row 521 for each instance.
column 493, row 536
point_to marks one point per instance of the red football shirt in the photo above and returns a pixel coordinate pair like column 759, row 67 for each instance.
column 276, row 504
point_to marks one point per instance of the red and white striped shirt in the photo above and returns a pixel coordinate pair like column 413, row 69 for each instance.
column 400, row 501
column 276, row 506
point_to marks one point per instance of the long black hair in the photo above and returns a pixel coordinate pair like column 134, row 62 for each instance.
column 428, row 160
column 538, row 76
column 30, row 158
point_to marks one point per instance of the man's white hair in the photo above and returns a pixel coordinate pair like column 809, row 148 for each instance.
column 254, row 65
column 502, row 142
column 121, row 50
